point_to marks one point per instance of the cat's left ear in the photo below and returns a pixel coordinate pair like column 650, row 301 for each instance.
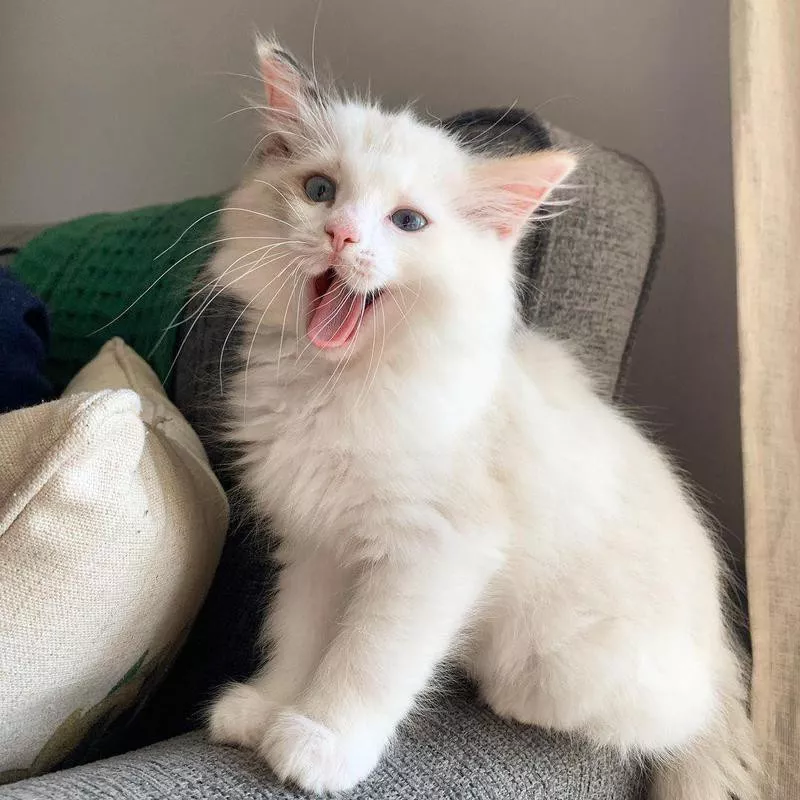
column 504, row 192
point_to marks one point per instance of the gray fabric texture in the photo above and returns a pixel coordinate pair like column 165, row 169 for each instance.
column 601, row 257
column 458, row 752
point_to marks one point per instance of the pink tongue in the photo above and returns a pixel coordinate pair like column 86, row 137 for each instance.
column 336, row 316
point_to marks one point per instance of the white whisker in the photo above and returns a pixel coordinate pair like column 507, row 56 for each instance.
column 258, row 265
column 294, row 206
column 477, row 139
column 167, row 271
column 239, row 317
column 383, row 346
column 371, row 357
column 255, row 335
column 339, row 368
column 283, row 324
column 210, row 214
column 175, row 322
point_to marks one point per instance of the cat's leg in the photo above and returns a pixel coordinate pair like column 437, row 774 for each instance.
column 637, row 688
column 298, row 628
column 661, row 696
column 399, row 625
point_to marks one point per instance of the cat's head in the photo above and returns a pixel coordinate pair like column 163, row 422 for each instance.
column 361, row 225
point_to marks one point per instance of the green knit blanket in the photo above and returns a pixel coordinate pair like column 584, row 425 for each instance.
column 101, row 276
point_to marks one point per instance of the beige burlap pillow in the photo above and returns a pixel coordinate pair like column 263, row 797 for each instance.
column 111, row 527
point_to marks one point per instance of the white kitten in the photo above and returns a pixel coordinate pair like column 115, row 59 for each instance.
column 443, row 482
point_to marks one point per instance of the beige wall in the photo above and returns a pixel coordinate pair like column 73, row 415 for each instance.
column 108, row 105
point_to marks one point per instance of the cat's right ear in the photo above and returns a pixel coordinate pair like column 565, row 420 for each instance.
column 285, row 82
column 288, row 90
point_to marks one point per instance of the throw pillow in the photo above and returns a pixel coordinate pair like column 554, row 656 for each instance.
column 111, row 527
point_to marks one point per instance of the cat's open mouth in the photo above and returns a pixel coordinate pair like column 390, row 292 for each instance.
column 335, row 311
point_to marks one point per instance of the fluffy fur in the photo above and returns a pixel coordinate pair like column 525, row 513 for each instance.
column 447, row 484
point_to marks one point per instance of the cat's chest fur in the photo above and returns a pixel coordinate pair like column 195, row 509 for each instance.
column 322, row 464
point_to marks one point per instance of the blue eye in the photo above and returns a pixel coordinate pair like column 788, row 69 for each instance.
column 320, row 189
column 408, row 220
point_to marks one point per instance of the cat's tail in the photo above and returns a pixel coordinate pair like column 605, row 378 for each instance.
column 718, row 765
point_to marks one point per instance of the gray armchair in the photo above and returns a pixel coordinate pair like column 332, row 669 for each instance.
column 586, row 276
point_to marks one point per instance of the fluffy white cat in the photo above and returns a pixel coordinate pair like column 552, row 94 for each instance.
column 444, row 483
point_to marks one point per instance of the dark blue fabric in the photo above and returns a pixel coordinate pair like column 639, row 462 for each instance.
column 24, row 335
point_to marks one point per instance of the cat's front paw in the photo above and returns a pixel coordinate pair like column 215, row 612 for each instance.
column 315, row 757
column 240, row 716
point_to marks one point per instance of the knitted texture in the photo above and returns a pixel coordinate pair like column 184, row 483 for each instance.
column 90, row 272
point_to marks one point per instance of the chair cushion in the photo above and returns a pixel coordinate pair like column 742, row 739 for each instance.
column 461, row 751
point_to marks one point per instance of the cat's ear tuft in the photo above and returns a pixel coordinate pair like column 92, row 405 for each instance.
column 285, row 82
column 505, row 192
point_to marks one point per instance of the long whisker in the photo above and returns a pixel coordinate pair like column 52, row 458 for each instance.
column 314, row 42
column 176, row 322
column 407, row 310
column 296, row 207
column 400, row 303
column 233, row 265
column 258, row 265
column 297, row 316
column 238, row 75
column 179, row 261
column 494, row 138
column 255, row 334
column 340, row 365
column 219, row 211
column 283, row 324
column 165, row 273
column 369, row 366
column 496, row 122
column 404, row 311
column 383, row 347
column 254, row 265
column 238, row 319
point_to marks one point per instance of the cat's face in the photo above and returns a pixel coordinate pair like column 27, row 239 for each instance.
column 379, row 224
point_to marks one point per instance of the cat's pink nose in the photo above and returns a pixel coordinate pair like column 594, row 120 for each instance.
column 342, row 232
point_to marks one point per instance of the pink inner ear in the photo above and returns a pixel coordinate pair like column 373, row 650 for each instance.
column 281, row 91
column 523, row 199
column 505, row 205
column 504, row 230
column 526, row 194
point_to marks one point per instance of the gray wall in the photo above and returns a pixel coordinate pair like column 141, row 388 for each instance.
column 112, row 105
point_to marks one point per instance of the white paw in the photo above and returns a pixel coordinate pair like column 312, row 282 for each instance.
column 240, row 716
column 314, row 757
